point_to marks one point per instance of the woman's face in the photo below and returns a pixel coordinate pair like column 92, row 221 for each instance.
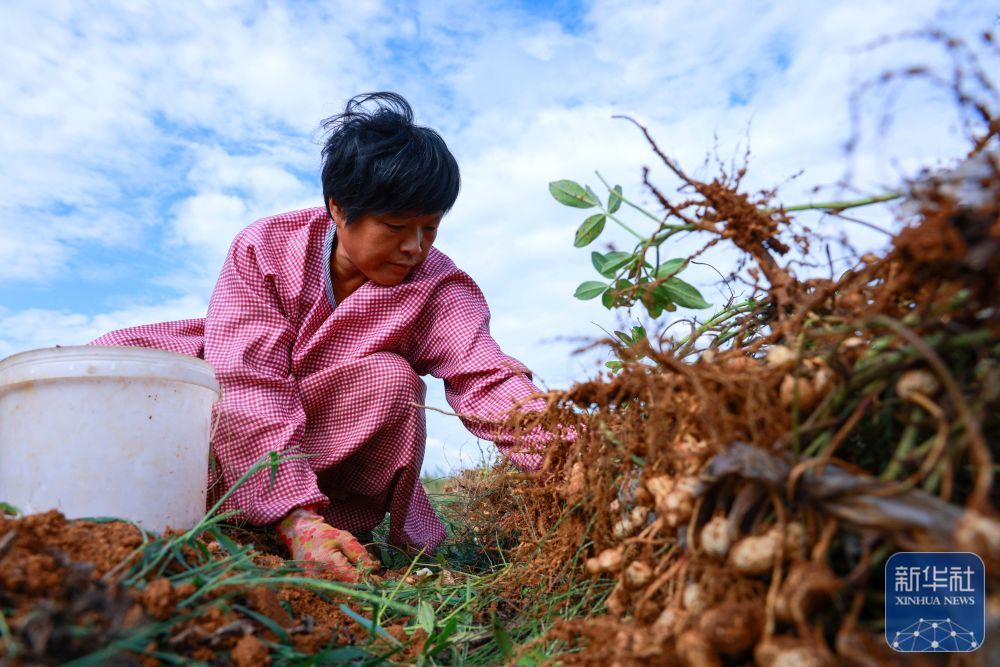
column 383, row 248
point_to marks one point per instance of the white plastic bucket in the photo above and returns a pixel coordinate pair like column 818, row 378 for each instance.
column 99, row 431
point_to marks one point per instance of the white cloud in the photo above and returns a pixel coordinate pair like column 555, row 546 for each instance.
column 101, row 100
column 233, row 190
column 210, row 220
column 21, row 255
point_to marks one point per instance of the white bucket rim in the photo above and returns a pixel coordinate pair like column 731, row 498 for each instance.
column 104, row 361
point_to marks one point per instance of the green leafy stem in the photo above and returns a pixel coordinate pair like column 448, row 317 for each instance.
column 631, row 277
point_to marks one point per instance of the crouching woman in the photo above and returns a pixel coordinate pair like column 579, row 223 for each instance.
column 319, row 329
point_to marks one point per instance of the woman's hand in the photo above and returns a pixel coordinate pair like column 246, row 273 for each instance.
column 324, row 548
column 530, row 457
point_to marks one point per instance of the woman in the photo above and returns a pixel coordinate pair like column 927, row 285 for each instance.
column 319, row 328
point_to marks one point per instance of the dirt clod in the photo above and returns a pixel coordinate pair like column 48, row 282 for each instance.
column 250, row 652
column 159, row 599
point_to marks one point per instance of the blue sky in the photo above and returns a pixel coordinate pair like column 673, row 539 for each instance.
column 140, row 137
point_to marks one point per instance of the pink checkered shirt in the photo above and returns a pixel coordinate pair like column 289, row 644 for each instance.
column 335, row 382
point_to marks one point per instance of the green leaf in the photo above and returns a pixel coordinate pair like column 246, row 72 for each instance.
column 503, row 640
column 590, row 289
column 614, row 364
column 589, row 230
column 425, row 617
column 179, row 556
column 532, row 659
column 369, row 625
column 669, row 268
column 597, row 259
column 572, row 194
column 7, row 508
column 608, row 265
column 624, row 337
column 614, row 261
column 608, row 299
column 683, row 294
column 341, row 656
column 224, row 541
column 638, row 331
column 647, row 294
column 443, row 635
column 273, row 465
column 615, row 199
column 654, row 309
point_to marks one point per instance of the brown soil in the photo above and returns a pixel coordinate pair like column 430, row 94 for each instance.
column 57, row 574
column 30, row 564
column 249, row 652
column 51, row 577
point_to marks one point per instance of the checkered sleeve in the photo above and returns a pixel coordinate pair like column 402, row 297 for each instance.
column 454, row 342
column 182, row 336
column 248, row 341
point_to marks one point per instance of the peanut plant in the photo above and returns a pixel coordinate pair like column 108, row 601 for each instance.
column 629, row 278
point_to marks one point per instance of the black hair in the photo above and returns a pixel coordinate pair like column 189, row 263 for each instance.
column 377, row 161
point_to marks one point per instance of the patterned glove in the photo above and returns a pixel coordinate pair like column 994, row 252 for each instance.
column 538, row 440
column 324, row 548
